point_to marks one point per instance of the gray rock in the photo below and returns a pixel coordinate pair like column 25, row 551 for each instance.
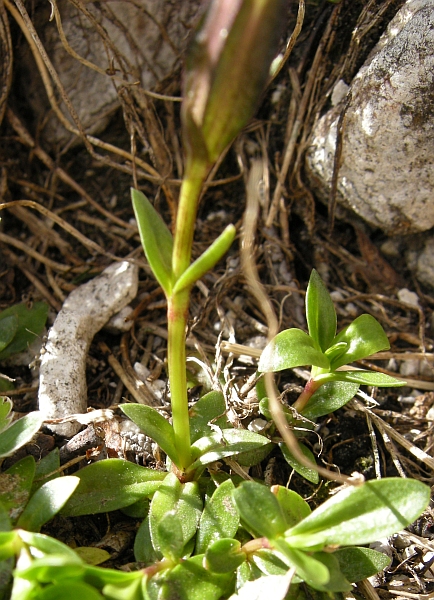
column 144, row 42
column 386, row 174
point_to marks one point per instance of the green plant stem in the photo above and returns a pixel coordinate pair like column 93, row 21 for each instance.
column 177, row 308
column 310, row 388
column 177, row 312
column 191, row 187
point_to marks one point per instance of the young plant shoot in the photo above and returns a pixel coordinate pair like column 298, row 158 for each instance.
column 224, row 79
column 328, row 353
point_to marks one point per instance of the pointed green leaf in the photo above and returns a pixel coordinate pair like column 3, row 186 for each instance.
column 15, row 486
column 268, row 563
column 264, row 409
column 368, row 378
column 156, row 240
column 154, row 425
column 360, row 563
column 119, row 483
column 31, row 323
column 220, row 517
column 309, row 474
column 19, row 433
column 70, row 589
column 224, row 556
column 5, row 413
column 364, row 337
column 320, row 312
column 48, row 545
column 189, row 580
column 47, row 502
column 8, row 329
column 91, row 555
column 228, row 442
column 49, row 464
column 329, row 397
column 143, row 549
column 207, row 260
column 360, row 515
column 169, row 536
column 259, row 509
column 210, row 408
column 291, row 348
column 337, row 581
column 184, row 501
column 292, row 504
column 311, row 570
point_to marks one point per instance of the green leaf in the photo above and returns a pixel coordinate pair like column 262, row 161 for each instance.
column 5, row 414
column 190, row 581
column 184, row 501
column 8, row 329
column 337, row 581
column 368, row 378
column 91, row 555
column 328, row 398
column 259, row 509
column 15, row 486
column 309, row 474
column 48, row 545
column 320, row 312
column 154, row 425
column 169, row 536
column 360, row 563
column 264, row 409
column 207, row 260
column 268, row 563
column 208, row 409
column 228, row 442
column 19, row 433
column 309, row 569
column 254, row 457
column 360, row 515
column 10, row 545
column 47, row 502
column 127, row 591
column 292, row 504
column 224, row 556
column 69, row 589
column 291, row 348
column 49, row 464
column 220, row 518
column 364, row 337
column 138, row 510
column 120, row 483
column 143, row 549
column 31, row 323
column 156, row 240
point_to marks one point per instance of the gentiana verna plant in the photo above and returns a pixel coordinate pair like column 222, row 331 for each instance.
column 327, row 352
column 206, row 534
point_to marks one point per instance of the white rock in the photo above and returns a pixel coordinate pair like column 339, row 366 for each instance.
column 386, row 174
column 408, row 297
column 425, row 264
column 62, row 384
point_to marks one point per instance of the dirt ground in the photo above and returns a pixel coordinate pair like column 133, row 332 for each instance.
column 87, row 186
